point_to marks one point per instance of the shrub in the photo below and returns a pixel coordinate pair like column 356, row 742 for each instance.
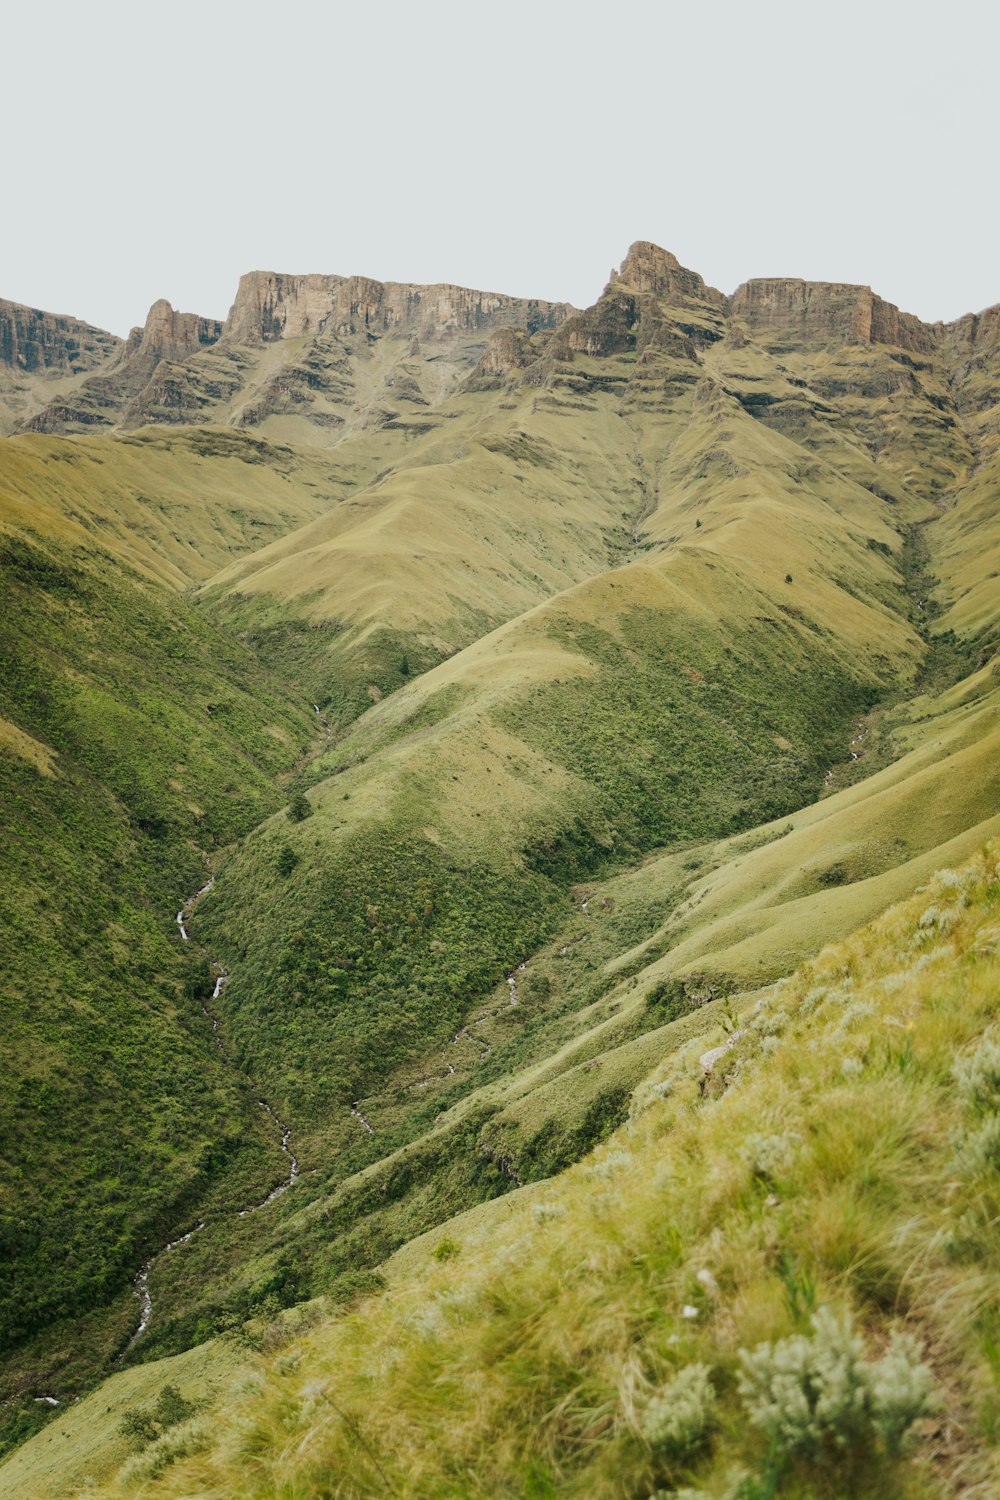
column 810, row 1391
column 978, row 1076
column 680, row 1416
column 900, row 1389
column 299, row 808
column 181, row 1441
column 980, row 1150
column 287, row 859
column 769, row 1157
column 171, row 1407
column 144, row 1425
column 137, row 1427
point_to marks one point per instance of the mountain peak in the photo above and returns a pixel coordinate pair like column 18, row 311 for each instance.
column 173, row 335
column 647, row 268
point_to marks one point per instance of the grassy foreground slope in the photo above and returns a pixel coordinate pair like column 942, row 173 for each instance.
column 778, row 1279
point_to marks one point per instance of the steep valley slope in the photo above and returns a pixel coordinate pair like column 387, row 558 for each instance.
column 534, row 683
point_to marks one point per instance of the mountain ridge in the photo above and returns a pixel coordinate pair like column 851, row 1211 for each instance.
column 275, row 307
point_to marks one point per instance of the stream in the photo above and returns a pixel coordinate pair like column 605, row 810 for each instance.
column 140, row 1285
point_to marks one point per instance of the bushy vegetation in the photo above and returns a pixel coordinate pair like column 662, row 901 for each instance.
column 143, row 1425
column 816, row 1393
column 149, row 738
column 661, row 1320
column 376, row 957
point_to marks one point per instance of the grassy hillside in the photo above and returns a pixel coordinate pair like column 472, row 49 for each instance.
column 777, row 1279
column 135, row 740
column 707, row 686
column 648, row 657
column 514, row 1092
column 173, row 507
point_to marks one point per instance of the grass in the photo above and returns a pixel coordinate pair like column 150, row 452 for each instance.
column 829, row 1162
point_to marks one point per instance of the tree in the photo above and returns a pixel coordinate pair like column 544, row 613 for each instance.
column 299, row 808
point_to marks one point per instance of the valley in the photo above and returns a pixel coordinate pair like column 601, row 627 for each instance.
column 541, row 692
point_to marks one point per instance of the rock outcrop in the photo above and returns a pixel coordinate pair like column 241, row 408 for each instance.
column 169, row 335
column 786, row 313
column 38, row 349
column 355, row 353
column 35, row 342
column 271, row 306
column 647, row 268
column 653, row 306
column 106, row 399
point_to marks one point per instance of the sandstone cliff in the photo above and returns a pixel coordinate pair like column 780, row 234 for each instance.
column 793, row 313
column 105, row 398
column 170, row 335
column 37, row 342
column 42, row 352
column 270, row 306
column 647, row 268
column 313, row 358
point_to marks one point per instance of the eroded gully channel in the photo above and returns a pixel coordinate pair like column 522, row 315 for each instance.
column 140, row 1285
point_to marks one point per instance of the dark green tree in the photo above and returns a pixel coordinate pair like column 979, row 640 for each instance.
column 299, row 808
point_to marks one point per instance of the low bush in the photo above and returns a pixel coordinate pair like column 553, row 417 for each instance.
column 815, row 1391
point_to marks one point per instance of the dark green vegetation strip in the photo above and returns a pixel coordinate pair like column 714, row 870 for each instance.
column 116, row 1106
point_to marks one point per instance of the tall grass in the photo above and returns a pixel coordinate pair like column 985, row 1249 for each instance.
column 776, row 1279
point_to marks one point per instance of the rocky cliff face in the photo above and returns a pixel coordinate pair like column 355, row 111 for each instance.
column 647, row 268
column 796, row 313
column 41, row 351
column 183, row 368
column 36, row 343
column 651, row 306
column 317, row 357
column 270, row 306
column 170, row 335
column 106, row 398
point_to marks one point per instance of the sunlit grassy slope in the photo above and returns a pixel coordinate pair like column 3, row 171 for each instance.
column 839, row 1156
column 173, row 506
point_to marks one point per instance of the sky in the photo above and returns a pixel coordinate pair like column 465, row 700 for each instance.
column 156, row 150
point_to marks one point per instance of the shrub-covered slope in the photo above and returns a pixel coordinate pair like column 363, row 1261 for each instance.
column 778, row 1278
column 135, row 739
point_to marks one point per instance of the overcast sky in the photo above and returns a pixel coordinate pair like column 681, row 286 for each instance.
column 161, row 150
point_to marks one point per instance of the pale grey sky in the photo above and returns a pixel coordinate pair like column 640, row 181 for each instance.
column 161, row 150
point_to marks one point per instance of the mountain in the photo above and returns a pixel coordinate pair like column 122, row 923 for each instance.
column 522, row 690
column 308, row 357
column 42, row 356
